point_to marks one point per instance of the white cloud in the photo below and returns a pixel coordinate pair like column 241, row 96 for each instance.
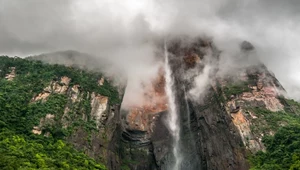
column 115, row 29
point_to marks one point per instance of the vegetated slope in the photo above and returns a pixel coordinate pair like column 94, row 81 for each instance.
column 283, row 147
column 268, row 122
column 42, row 106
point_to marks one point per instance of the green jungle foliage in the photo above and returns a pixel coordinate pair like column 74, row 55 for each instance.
column 290, row 105
column 271, row 121
column 19, row 148
column 236, row 89
column 283, row 151
column 37, row 75
column 38, row 152
column 293, row 106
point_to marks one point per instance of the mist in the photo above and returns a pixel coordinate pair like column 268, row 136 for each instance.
column 126, row 32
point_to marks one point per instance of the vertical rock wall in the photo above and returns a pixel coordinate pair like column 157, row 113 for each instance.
column 215, row 126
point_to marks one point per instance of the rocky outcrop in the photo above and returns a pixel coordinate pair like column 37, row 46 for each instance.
column 36, row 130
column 247, row 46
column 154, row 101
column 10, row 76
column 55, row 87
column 101, row 81
column 41, row 96
column 99, row 105
column 263, row 92
column 93, row 130
column 48, row 120
column 75, row 93
column 102, row 144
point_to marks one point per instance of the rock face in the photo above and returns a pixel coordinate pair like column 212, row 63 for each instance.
column 215, row 124
column 12, row 74
column 264, row 90
column 100, row 141
column 101, row 81
column 215, row 129
column 247, row 46
column 209, row 139
column 155, row 101
column 54, row 87
column 138, row 126
column 99, row 106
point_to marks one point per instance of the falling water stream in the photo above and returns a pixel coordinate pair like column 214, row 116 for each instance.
column 172, row 121
column 187, row 109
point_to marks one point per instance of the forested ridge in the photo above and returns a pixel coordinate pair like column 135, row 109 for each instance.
column 19, row 147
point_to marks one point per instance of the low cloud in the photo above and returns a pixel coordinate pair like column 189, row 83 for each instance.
column 126, row 32
column 201, row 83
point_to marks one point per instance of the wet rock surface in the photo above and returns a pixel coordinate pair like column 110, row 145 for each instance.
column 215, row 130
column 209, row 139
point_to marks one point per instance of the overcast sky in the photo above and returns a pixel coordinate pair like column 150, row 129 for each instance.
column 125, row 30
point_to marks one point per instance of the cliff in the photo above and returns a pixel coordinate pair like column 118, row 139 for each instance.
column 47, row 103
column 220, row 128
column 226, row 119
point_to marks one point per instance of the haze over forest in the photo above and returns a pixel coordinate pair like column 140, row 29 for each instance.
column 125, row 31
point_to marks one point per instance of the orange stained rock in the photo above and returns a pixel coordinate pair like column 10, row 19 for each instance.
column 238, row 118
column 191, row 59
column 155, row 101
column 65, row 80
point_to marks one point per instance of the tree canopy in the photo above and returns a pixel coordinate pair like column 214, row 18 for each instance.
column 19, row 147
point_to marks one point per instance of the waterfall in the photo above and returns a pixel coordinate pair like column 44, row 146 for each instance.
column 187, row 108
column 172, row 121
